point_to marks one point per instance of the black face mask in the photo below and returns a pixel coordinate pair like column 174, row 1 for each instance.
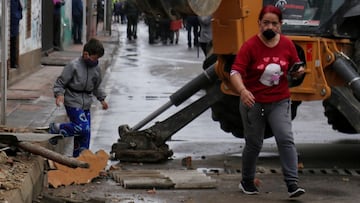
column 90, row 63
column 269, row 34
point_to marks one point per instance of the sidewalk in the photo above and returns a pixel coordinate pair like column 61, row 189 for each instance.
column 30, row 104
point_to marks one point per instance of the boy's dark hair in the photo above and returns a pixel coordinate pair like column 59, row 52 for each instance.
column 94, row 47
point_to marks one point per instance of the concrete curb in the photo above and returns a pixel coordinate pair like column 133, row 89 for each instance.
column 31, row 185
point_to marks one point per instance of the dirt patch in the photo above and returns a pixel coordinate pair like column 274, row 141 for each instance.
column 13, row 171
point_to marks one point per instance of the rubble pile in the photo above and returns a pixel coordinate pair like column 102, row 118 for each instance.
column 12, row 171
column 8, row 129
column 14, row 164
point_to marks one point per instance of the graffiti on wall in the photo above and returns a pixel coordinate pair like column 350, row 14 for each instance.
column 32, row 10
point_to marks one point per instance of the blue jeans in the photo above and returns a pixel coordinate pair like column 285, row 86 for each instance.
column 79, row 127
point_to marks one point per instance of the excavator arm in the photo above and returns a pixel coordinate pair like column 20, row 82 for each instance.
column 149, row 145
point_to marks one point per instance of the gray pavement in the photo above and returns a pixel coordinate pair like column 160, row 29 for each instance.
column 30, row 104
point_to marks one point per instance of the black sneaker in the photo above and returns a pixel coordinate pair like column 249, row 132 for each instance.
column 295, row 191
column 248, row 187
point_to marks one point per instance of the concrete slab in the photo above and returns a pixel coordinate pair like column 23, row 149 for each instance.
column 163, row 179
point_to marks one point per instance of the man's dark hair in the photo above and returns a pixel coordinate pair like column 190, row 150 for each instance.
column 94, row 47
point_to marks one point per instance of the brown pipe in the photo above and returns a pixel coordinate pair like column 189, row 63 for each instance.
column 44, row 152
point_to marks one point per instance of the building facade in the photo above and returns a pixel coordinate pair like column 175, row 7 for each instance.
column 36, row 32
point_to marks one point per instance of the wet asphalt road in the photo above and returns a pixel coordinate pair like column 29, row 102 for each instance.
column 141, row 79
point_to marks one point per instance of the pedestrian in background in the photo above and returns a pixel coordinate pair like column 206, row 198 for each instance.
column 122, row 12
column 192, row 27
column 259, row 75
column 175, row 26
column 99, row 13
column 205, row 36
column 153, row 23
column 57, row 23
column 15, row 17
column 117, row 11
column 165, row 32
column 77, row 19
column 75, row 87
column 132, row 15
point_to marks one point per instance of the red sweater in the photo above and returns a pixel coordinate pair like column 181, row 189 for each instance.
column 254, row 57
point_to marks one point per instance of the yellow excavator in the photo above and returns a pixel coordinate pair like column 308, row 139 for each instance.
column 325, row 34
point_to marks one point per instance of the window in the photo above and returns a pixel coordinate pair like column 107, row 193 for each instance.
column 305, row 16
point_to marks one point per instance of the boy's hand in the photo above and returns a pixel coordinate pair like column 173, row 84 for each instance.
column 104, row 105
column 59, row 100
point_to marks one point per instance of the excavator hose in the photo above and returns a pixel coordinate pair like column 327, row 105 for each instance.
column 344, row 67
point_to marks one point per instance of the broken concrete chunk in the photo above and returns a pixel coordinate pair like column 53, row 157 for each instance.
column 64, row 175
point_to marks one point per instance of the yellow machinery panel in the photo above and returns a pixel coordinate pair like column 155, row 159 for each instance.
column 319, row 56
column 225, row 36
column 234, row 22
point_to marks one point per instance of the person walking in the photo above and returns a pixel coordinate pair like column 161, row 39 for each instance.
column 132, row 16
column 15, row 17
column 175, row 26
column 122, row 12
column 117, row 7
column 153, row 23
column 57, row 23
column 192, row 27
column 259, row 76
column 79, row 81
column 165, row 32
column 205, row 36
column 99, row 13
column 77, row 19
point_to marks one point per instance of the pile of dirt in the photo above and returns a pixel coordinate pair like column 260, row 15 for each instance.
column 15, row 164
column 12, row 172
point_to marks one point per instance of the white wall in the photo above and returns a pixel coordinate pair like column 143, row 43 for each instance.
column 27, row 44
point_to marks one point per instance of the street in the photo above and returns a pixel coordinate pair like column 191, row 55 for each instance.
column 141, row 79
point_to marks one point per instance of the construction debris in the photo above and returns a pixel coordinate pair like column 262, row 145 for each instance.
column 64, row 175
column 12, row 172
column 163, row 179
column 12, row 140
